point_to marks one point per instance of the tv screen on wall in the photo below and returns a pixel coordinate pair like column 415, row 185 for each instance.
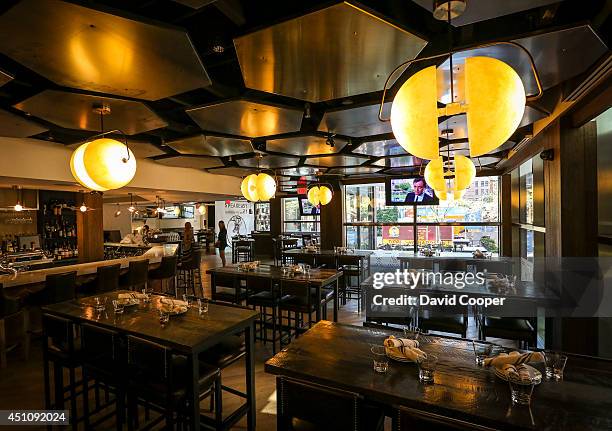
column 409, row 191
column 306, row 208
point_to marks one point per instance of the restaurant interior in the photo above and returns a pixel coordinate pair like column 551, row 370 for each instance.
column 306, row 215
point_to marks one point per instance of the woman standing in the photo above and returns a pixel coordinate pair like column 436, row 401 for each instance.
column 222, row 241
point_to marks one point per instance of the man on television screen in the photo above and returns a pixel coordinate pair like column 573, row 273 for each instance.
column 420, row 192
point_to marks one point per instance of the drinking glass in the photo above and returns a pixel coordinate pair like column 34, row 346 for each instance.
column 187, row 300
column 412, row 332
column 520, row 390
column 118, row 306
column 164, row 317
column 481, row 351
column 202, row 305
column 381, row 361
column 147, row 296
column 555, row 364
column 427, row 367
column 100, row 303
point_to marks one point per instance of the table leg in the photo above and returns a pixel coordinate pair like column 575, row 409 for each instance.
column 194, row 393
column 250, row 375
column 318, row 312
column 336, row 293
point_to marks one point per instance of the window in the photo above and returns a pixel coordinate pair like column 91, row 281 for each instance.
column 293, row 221
column 460, row 226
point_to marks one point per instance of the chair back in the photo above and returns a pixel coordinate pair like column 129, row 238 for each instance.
column 108, row 278
column 194, row 260
column 298, row 289
column 58, row 333
column 452, row 264
column 148, row 361
column 256, row 285
column 101, row 349
column 167, row 267
column 7, row 306
column 327, row 261
column 59, row 288
column 138, row 274
column 224, row 280
column 323, row 407
column 305, row 258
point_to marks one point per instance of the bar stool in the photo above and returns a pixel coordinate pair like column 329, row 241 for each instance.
column 227, row 288
column 346, row 263
column 189, row 275
column 107, row 279
column 137, row 276
column 58, row 288
column 262, row 294
column 13, row 316
column 242, row 251
column 166, row 271
column 298, row 298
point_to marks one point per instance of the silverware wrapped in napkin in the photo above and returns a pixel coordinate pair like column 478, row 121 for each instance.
column 131, row 295
column 513, row 358
column 404, row 348
column 400, row 342
column 518, row 372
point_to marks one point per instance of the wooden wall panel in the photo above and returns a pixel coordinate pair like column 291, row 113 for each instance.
column 514, row 198
column 276, row 223
column 331, row 220
column 506, row 215
column 90, row 230
column 552, row 190
column 538, row 191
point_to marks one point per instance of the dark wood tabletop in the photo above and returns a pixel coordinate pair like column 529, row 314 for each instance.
column 302, row 251
column 412, row 256
column 338, row 356
column 316, row 277
column 187, row 333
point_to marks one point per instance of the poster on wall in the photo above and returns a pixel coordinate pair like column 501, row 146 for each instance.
column 239, row 217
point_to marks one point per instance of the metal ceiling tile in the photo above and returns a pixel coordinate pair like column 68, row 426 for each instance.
column 75, row 111
column 83, row 48
column 246, row 118
column 4, row 78
column 335, row 161
column 482, row 10
column 388, row 147
column 206, row 145
column 269, row 162
column 141, row 149
column 305, row 145
column 360, row 170
column 357, row 122
column 530, row 116
column 328, row 54
column 195, row 4
column 404, row 171
column 299, row 171
column 558, row 55
column 232, row 171
column 191, row 162
column 398, row 162
column 13, row 126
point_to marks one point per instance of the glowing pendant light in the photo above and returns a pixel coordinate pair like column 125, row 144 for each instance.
column 202, row 209
column 320, row 195
column 465, row 172
column 258, row 187
column 177, row 211
column 460, row 175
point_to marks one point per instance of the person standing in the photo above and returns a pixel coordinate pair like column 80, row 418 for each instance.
column 222, row 241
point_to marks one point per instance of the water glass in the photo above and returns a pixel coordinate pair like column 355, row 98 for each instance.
column 555, row 364
column 100, row 303
column 520, row 390
column 202, row 305
column 118, row 306
column 427, row 367
column 412, row 332
column 381, row 361
column 481, row 351
column 164, row 317
column 147, row 296
column 187, row 300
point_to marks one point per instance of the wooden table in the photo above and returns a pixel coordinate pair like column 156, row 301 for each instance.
column 406, row 258
column 317, row 278
column 357, row 255
column 338, row 356
column 189, row 334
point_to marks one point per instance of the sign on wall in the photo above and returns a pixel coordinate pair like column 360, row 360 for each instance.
column 238, row 216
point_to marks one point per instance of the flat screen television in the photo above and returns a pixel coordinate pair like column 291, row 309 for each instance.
column 306, row 208
column 409, row 191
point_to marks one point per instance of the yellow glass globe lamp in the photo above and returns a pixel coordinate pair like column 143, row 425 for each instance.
column 464, row 171
column 248, row 187
column 103, row 164
column 320, row 195
column 313, row 196
column 266, row 187
column 202, row 209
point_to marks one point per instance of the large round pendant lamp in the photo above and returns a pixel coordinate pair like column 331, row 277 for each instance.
column 493, row 101
column 103, row 164
column 460, row 175
column 320, row 195
column 258, row 187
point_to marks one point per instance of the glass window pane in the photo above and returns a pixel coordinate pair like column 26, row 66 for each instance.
column 460, row 240
column 479, row 204
column 395, row 238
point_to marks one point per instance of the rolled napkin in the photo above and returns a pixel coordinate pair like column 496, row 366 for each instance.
column 173, row 302
column 131, row 295
column 513, row 358
column 519, row 372
column 400, row 342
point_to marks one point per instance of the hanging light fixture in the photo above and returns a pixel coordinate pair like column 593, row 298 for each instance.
column 103, row 163
column 320, row 194
column 131, row 208
column 258, row 187
column 202, row 209
column 444, row 176
column 177, row 210
column 18, row 206
column 492, row 97
column 118, row 212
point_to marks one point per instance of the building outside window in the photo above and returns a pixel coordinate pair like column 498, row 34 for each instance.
column 293, row 221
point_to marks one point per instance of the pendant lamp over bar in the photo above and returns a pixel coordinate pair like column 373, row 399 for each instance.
column 320, row 194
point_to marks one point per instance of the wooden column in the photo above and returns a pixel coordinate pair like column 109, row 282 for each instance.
column 506, row 215
column 331, row 220
column 90, row 230
column 276, row 224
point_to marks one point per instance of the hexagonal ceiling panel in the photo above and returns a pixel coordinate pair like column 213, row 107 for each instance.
column 398, row 162
column 341, row 39
column 4, row 78
column 83, row 48
column 269, row 162
column 305, row 145
column 14, row 126
column 357, row 122
column 232, row 171
column 75, row 111
column 389, row 147
column 300, row 171
column 191, row 162
column 218, row 146
column 335, row 161
column 359, row 170
column 245, row 118
column 141, row 149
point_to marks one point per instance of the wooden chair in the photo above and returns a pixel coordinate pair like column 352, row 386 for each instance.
column 14, row 327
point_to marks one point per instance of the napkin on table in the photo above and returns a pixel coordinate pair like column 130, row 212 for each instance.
column 408, row 350
column 173, row 302
column 519, row 371
column 131, row 295
column 513, row 358
column 400, row 342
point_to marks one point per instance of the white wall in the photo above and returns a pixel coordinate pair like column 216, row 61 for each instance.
column 122, row 223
